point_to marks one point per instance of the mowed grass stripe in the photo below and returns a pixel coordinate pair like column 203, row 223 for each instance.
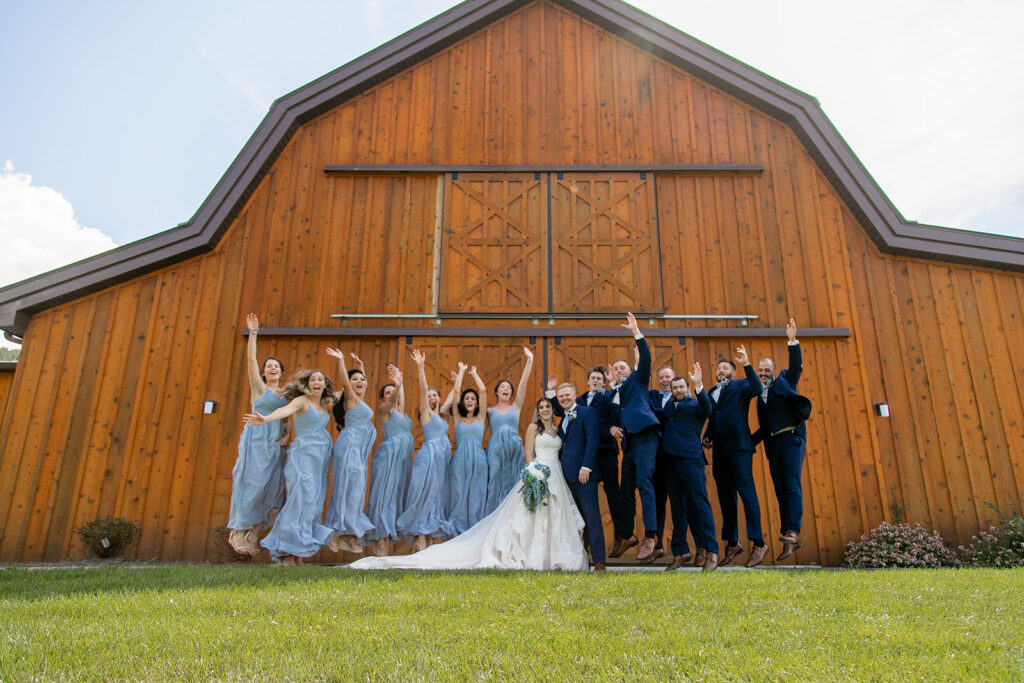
column 262, row 622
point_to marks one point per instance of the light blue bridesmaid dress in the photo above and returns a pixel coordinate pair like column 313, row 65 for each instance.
column 351, row 454
column 297, row 529
column 258, row 476
column 505, row 457
column 467, row 477
column 389, row 478
column 424, row 500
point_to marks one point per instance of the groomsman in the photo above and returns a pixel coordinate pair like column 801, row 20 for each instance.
column 685, row 414
column 641, row 439
column 598, row 399
column 579, row 433
column 781, row 411
column 659, row 399
column 728, row 435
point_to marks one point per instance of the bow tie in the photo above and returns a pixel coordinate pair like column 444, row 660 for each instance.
column 687, row 397
column 764, row 390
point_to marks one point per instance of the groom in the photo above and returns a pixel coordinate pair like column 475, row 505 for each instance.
column 580, row 439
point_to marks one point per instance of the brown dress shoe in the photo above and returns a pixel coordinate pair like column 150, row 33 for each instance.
column 790, row 544
column 710, row 562
column 599, row 567
column 646, row 553
column 678, row 561
column 659, row 553
column 731, row 553
column 616, row 548
column 698, row 559
column 622, row 545
column 757, row 555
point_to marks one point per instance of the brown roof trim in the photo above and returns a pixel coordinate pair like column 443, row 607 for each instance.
column 8, row 365
column 889, row 230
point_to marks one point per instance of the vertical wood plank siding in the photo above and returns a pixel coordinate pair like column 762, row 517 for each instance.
column 104, row 413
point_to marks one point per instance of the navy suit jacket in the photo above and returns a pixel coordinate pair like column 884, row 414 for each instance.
column 729, row 426
column 579, row 444
column 602, row 407
column 635, row 411
column 785, row 407
column 683, row 423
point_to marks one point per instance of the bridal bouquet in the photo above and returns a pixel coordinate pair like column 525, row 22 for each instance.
column 535, row 484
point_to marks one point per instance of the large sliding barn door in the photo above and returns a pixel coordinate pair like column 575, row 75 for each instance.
column 495, row 244
column 605, row 244
column 550, row 243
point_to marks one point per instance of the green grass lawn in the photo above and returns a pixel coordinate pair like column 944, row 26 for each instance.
column 263, row 622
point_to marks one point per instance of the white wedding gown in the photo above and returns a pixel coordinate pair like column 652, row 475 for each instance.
column 511, row 537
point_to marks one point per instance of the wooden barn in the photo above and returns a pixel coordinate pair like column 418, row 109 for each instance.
column 521, row 173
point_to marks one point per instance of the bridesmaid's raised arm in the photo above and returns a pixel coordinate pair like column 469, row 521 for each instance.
column 252, row 363
column 524, row 381
column 423, row 410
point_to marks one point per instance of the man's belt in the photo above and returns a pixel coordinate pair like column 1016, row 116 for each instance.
column 782, row 431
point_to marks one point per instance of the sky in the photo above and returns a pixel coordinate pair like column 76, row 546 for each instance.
column 117, row 118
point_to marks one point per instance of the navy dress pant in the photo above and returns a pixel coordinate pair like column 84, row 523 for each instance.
column 688, row 491
column 733, row 473
column 585, row 496
column 662, row 467
column 608, row 464
column 638, row 473
column 785, row 461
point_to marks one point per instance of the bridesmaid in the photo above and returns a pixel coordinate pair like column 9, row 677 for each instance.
column 389, row 469
column 351, row 454
column 258, row 475
column 424, row 516
column 467, row 471
column 505, row 449
column 297, row 531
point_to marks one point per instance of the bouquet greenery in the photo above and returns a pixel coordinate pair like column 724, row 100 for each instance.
column 535, row 484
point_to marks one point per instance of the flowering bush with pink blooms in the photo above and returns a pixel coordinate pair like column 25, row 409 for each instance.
column 899, row 545
column 1000, row 546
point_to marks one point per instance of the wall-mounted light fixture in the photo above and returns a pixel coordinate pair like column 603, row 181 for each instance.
column 882, row 409
column 209, row 407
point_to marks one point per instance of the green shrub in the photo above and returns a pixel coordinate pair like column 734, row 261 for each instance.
column 108, row 536
column 1000, row 546
column 899, row 545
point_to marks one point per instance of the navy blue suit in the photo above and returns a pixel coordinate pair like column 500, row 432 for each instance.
column 580, row 439
column 607, row 459
column 686, row 478
column 661, row 465
column 640, row 450
column 782, row 414
column 732, row 456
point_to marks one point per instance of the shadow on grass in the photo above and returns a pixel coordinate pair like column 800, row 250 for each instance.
column 36, row 584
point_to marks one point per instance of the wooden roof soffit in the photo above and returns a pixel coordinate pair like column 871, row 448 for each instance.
column 886, row 226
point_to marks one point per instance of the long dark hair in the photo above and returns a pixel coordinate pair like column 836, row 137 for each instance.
column 263, row 368
column 463, row 411
column 540, row 423
column 502, row 381
column 339, row 407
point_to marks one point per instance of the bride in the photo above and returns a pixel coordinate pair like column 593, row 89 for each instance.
column 513, row 537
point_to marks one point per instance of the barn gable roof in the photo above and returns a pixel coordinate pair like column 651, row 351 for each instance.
column 886, row 226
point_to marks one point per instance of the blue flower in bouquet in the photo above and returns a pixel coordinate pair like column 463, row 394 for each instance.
column 535, row 484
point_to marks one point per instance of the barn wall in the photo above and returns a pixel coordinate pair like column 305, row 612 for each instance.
column 116, row 427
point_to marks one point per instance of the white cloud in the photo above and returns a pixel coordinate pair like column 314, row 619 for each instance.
column 38, row 229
